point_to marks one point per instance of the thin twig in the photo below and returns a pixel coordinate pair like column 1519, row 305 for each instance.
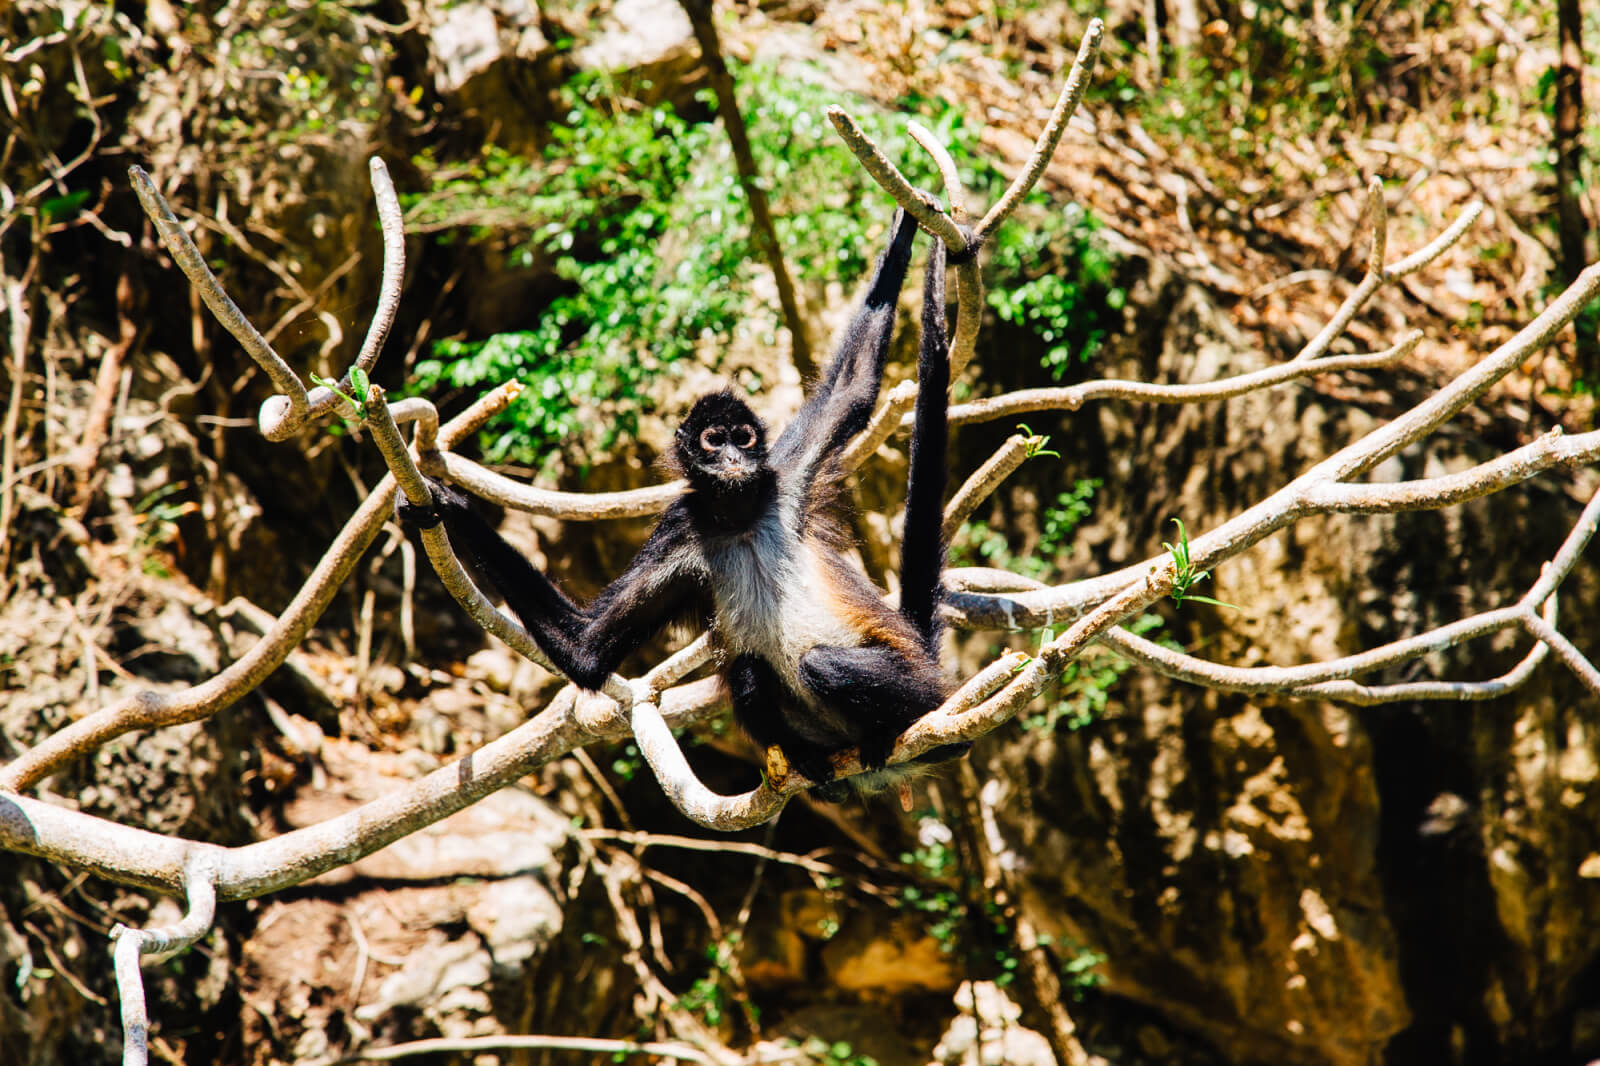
column 131, row 944
column 1378, row 275
column 194, row 267
column 1066, row 104
column 1072, row 397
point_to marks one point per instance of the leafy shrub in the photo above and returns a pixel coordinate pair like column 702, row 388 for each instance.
column 643, row 216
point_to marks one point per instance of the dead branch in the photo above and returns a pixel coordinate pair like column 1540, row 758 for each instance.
column 162, row 943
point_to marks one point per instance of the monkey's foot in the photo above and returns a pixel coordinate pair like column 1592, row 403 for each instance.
column 777, row 766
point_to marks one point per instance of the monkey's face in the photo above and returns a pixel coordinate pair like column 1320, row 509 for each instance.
column 722, row 445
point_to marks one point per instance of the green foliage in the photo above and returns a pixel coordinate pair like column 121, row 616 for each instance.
column 157, row 516
column 711, row 996
column 355, row 399
column 1080, row 968
column 642, row 217
column 599, row 205
column 1038, row 445
column 1054, row 277
column 980, row 544
column 1079, row 695
column 627, row 762
column 838, row 1053
column 937, row 862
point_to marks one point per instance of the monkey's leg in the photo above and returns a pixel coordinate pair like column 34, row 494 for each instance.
column 882, row 691
column 758, row 704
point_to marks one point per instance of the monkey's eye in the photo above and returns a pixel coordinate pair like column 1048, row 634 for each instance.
column 713, row 438
column 744, row 436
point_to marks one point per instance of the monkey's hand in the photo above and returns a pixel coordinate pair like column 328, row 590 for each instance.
column 974, row 246
column 428, row 515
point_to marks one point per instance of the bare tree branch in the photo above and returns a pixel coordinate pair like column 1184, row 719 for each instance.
column 394, row 265
column 150, row 709
column 1377, row 274
column 981, row 485
column 1066, row 104
column 194, row 267
column 161, row 943
column 1070, row 398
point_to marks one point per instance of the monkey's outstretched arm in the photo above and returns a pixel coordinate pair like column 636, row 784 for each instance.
column 843, row 401
column 585, row 643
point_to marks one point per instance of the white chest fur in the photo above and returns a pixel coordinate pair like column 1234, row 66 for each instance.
column 772, row 597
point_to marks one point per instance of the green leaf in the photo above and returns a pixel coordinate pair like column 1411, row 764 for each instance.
column 59, row 207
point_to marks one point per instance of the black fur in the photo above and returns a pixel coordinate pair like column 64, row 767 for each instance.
column 815, row 662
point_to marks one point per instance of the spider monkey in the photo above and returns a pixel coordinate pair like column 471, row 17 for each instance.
column 814, row 660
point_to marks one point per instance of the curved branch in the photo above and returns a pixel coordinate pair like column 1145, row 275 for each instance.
column 131, row 944
column 1072, row 397
column 194, row 267
column 569, row 506
column 1289, row 504
column 1451, row 691
column 394, row 263
column 138, row 857
column 150, row 709
column 949, row 173
column 684, row 788
column 1045, row 147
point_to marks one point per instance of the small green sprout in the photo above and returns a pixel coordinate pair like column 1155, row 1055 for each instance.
column 356, row 397
column 1186, row 576
column 1036, row 443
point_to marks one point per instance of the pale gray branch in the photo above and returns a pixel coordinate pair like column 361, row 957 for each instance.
column 1566, row 651
column 569, row 506
column 1072, row 397
column 194, row 267
column 683, row 787
column 133, row 856
column 949, row 173
column 150, row 709
column 159, row 943
column 1066, row 104
column 1452, row 691
column 394, row 263
column 1552, row 449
